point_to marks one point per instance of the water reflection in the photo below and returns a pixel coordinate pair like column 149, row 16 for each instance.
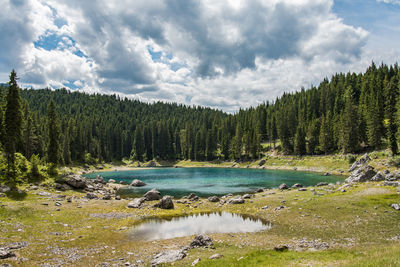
column 201, row 223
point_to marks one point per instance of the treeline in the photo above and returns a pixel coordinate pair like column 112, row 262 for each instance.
column 348, row 113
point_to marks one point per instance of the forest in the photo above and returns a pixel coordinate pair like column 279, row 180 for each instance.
column 348, row 113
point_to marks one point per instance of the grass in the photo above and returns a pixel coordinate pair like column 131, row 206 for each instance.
column 358, row 224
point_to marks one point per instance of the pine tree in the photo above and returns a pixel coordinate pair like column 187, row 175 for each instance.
column 391, row 94
column 138, row 149
column 349, row 125
column 53, row 148
column 12, row 126
column 313, row 137
column 325, row 136
column 300, row 141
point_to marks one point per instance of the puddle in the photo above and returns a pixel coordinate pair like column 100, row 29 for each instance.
column 206, row 223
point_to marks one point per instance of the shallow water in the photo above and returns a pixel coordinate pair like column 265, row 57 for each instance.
column 206, row 223
column 211, row 181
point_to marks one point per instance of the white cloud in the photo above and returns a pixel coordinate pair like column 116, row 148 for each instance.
column 397, row 2
column 224, row 54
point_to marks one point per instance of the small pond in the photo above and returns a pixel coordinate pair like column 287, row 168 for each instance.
column 202, row 223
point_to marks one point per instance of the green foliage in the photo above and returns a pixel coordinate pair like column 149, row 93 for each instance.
column 34, row 173
column 53, row 149
column 395, row 161
column 351, row 158
column 89, row 159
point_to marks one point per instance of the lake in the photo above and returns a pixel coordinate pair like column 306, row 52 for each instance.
column 202, row 223
column 211, row 181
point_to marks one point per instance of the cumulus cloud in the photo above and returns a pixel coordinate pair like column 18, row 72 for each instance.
column 224, row 54
column 397, row 2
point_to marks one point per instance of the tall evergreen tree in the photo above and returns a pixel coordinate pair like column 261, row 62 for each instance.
column 391, row 95
column 12, row 126
column 53, row 148
column 300, row 141
column 349, row 125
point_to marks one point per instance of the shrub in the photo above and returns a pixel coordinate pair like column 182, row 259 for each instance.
column 351, row 158
column 34, row 172
column 395, row 161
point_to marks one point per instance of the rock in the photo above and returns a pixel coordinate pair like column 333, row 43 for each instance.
column 4, row 189
column 91, row 195
column 117, row 197
column 153, row 194
column 279, row 208
column 165, row 203
column 193, row 197
column 151, row 164
column 201, row 241
column 112, row 181
column 216, row 256
column 107, row 197
column 136, row 203
column 6, row 253
column 213, row 199
column 327, row 174
column 34, row 187
column 322, row 184
column 396, row 206
column 378, row 177
column 281, row 248
column 297, row 185
column 283, row 187
column 262, row 162
column 246, row 196
column 99, row 180
column 62, row 187
column 392, row 176
column 237, row 200
column 265, row 207
column 137, row 183
column 76, row 181
column 259, row 190
column 363, row 174
column 168, row 257
column 359, row 163
column 2, row 195
column 196, row 261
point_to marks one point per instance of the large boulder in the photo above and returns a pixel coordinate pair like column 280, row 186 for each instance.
column 136, row 203
column 237, row 200
column 91, row 195
column 213, row 199
column 378, row 177
column 362, row 174
column 283, row 187
column 153, row 194
column 297, row 185
column 165, row 203
column 262, row 162
column 201, row 241
column 193, row 197
column 362, row 161
column 99, row 180
column 75, row 181
column 168, row 257
column 6, row 253
column 137, row 183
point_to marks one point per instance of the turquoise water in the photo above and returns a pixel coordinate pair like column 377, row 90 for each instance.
column 206, row 223
column 211, row 181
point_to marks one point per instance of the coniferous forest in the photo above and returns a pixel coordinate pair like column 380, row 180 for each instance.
column 348, row 113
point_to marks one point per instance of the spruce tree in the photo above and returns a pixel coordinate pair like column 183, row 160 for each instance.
column 349, row 124
column 53, row 148
column 391, row 94
column 138, row 149
column 300, row 141
column 12, row 126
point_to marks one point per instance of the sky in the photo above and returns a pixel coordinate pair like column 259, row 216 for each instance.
column 225, row 54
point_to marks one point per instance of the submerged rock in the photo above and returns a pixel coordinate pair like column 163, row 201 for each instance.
column 168, row 257
column 213, row 199
column 201, row 241
column 153, row 194
column 137, row 183
column 165, row 203
column 136, row 203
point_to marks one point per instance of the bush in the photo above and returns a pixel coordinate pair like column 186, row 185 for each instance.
column 395, row 162
column 351, row 158
column 52, row 170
